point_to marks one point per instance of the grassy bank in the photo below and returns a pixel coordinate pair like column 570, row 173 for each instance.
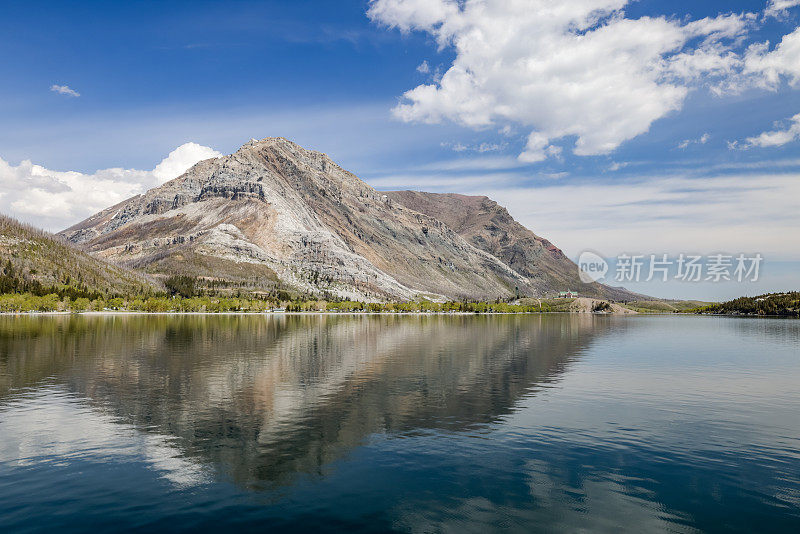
column 29, row 302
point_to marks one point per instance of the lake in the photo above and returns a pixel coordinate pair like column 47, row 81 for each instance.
column 525, row 423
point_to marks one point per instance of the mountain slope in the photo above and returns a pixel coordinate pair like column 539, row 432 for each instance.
column 276, row 213
column 488, row 226
column 32, row 257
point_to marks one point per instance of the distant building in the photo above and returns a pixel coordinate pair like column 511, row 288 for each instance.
column 569, row 294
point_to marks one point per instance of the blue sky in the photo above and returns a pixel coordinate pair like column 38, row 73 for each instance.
column 669, row 157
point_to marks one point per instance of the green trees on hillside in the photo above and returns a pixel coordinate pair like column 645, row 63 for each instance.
column 181, row 285
column 35, row 261
column 780, row 304
column 14, row 281
column 26, row 302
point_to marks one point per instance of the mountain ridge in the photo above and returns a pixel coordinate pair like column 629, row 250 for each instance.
column 274, row 212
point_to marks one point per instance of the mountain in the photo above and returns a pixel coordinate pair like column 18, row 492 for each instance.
column 274, row 214
column 488, row 226
column 34, row 260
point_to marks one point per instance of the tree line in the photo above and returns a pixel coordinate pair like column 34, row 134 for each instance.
column 775, row 304
column 22, row 293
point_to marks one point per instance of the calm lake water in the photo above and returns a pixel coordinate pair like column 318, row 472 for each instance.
column 387, row 423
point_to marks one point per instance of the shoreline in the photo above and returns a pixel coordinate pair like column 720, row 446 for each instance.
column 268, row 313
column 413, row 313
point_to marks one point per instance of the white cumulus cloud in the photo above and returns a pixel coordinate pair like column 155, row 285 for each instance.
column 180, row 159
column 64, row 90
column 767, row 68
column 577, row 69
column 410, row 15
column 56, row 199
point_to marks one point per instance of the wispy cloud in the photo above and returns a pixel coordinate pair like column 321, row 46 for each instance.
column 779, row 8
column 655, row 214
column 662, row 215
column 480, row 148
column 465, row 164
column 64, row 90
column 444, row 183
column 774, row 138
column 617, row 165
column 703, row 139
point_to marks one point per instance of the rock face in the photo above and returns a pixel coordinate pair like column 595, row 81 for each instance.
column 274, row 212
column 488, row 226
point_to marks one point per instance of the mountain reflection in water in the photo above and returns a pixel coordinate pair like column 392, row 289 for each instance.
column 263, row 398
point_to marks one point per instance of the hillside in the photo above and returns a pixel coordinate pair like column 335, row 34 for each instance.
column 780, row 304
column 35, row 261
column 665, row 306
column 275, row 214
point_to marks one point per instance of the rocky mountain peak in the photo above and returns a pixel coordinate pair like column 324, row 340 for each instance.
column 274, row 212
